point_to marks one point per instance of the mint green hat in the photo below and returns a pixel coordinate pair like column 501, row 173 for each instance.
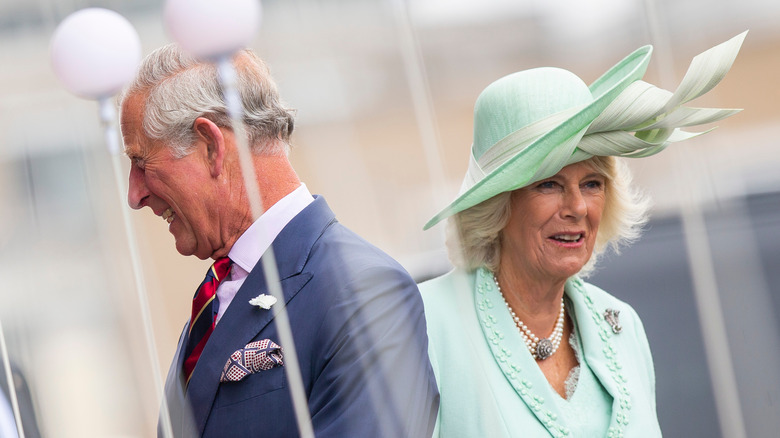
column 531, row 124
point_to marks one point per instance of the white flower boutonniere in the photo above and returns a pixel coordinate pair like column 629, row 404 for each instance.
column 263, row 301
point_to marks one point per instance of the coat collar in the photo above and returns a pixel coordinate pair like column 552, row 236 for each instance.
column 520, row 369
column 242, row 321
column 601, row 354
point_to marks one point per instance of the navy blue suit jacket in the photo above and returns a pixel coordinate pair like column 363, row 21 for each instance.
column 360, row 335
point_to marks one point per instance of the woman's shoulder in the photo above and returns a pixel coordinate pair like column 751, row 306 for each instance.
column 602, row 300
column 599, row 296
column 456, row 279
column 444, row 296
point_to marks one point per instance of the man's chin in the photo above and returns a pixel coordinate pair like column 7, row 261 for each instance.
column 188, row 249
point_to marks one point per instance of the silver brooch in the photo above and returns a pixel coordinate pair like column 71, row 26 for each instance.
column 611, row 315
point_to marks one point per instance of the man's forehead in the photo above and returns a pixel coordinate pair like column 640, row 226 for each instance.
column 131, row 121
column 132, row 107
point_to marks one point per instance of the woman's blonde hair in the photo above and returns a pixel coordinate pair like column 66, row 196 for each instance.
column 474, row 235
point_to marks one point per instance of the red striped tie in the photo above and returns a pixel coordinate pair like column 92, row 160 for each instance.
column 204, row 314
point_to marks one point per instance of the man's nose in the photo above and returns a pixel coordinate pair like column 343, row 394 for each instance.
column 137, row 192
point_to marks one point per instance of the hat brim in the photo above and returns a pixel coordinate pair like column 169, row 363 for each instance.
column 515, row 172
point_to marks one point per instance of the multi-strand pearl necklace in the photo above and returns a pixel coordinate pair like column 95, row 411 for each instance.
column 543, row 348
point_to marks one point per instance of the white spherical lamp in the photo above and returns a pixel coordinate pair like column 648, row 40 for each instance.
column 209, row 29
column 95, row 52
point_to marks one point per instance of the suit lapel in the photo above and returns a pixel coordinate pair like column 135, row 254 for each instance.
column 242, row 321
column 178, row 410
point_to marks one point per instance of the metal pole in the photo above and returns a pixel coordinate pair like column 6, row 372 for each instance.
column 227, row 77
column 11, row 387
column 107, row 119
column 705, row 287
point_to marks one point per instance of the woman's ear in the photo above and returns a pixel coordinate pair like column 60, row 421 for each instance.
column 209, row 133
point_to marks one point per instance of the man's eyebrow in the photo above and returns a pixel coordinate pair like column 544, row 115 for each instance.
column 131, row 152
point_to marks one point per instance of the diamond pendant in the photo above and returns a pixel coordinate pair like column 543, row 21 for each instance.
column 544, row 349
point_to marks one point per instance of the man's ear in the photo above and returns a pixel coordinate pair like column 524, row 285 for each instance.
column 209, row 133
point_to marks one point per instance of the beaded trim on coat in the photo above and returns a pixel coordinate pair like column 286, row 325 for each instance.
column 489, row 305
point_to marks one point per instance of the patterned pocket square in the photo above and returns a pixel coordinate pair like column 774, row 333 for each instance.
column 255, row 357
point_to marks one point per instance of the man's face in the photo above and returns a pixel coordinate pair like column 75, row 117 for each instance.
column 176, row 189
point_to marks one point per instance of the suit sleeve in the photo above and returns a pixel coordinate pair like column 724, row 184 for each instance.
column 436, row 371
column 375, row 379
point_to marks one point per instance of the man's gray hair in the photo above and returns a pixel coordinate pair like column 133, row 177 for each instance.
column 179, row 89
column 474, row 235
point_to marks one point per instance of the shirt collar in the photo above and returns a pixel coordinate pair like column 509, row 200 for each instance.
column 247, row 250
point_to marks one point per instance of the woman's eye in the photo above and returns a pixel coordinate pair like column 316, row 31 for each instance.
column 546, row 185
column 594, row 184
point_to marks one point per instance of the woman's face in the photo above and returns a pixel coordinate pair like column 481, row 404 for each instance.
column 553, row 224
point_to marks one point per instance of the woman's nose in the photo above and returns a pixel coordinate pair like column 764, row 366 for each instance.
column 574, row 204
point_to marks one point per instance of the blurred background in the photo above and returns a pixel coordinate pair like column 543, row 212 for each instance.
column 384, row 91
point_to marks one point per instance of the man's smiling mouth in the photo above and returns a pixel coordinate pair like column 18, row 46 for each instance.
column 169, row 215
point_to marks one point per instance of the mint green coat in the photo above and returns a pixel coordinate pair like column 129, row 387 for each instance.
column 491, row 386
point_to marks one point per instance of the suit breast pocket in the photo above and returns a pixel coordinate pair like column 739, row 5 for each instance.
column 254, row 385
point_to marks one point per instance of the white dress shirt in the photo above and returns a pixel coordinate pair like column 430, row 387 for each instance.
column 247, row 250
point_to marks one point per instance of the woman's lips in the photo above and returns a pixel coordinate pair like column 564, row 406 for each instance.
column 567, row 238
